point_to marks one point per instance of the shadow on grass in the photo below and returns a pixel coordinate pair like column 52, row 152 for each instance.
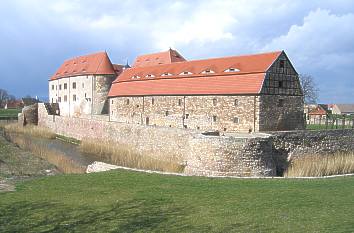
column 132, row 216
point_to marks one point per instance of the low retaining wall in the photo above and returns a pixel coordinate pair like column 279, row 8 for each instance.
column 206, row 155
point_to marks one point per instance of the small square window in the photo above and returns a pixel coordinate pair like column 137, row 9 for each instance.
column 152, row 101
column 167, row 113
column 214, row 118
column 180, row 102
column 280, row 102
column 127, row 102
column 236, row 102
column 186, row 116
column 236, row 120
column 280, row 84
column 214, row 101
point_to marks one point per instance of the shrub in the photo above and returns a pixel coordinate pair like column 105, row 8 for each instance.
column 125, row 155
column 321, row 165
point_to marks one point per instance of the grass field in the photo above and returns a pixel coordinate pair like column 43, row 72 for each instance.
column 329, row 127
column 123, row 201
column 6, row 113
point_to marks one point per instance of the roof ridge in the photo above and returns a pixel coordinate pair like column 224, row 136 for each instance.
column 81, row 56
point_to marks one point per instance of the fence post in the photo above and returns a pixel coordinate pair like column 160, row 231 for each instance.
column 326, row 122
column 343, row 122
column 336, row 123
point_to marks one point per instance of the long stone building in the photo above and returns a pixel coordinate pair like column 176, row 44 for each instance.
column 249, row 93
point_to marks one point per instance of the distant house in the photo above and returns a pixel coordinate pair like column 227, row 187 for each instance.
column 13, row 104
column 343, row 109
column 317, row 114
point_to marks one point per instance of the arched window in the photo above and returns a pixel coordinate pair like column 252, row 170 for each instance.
column 231, row 69
column 208, row 71
column 185, row 73
column 135, row 77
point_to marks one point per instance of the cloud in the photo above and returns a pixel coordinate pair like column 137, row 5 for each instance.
column 37, row 35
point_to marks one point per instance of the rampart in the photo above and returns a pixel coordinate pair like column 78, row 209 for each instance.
column 226, row 155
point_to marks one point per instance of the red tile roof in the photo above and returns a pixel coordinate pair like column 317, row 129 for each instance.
column 318, row 111
column 227, row 84
column 97, row 63
column 168, row 57
column 246, row 79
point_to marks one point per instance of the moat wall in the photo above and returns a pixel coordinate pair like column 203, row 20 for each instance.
column 230, row 155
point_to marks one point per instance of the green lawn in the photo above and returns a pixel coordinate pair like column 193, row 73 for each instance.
column 122, row 201
column 323, row 127
column 5, row 113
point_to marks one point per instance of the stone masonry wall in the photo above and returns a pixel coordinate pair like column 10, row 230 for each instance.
column 223, row 113
column 202, row 155
column 230, row 155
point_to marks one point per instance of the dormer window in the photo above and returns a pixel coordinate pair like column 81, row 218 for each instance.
column 208, row 72
column 150, row 76
column 166, row 74
column 135, row 77
column 185, row 73
column 232, row 70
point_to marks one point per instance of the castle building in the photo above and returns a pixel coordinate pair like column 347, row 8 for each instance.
column 248, row 93
column 80, row 86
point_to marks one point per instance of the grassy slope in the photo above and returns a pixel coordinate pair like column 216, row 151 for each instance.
column 129, row 201
column 15, row 162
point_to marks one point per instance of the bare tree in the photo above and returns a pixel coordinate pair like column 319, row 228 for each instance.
column 309, row 88
column 4, row 96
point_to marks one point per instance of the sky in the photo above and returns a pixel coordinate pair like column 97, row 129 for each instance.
column 38, row 35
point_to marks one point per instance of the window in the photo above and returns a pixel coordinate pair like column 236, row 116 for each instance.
column 280, row 84
column 65, row 86
column 112, row 101
column 236, row 102
column 74, row 98
column 152, row 101
column 280, row 102
column 65, row 98
column 74, row 85
column 208, row 72
column 83, row 85
column 185, row 73
column 59, row 86
column 166, row 74
column 56, row 87
column 236, row 120
column 232, row 70
column 59, row 99
column 186, row 116
column 135, row 77
column 214, row 118
column 214, row 101
column 179, row 102
column 52, row 87
column 150, row 76
column 52, row 100
column 282, row 64
column 166, row 113
column 85, row 95
column 127, row 101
